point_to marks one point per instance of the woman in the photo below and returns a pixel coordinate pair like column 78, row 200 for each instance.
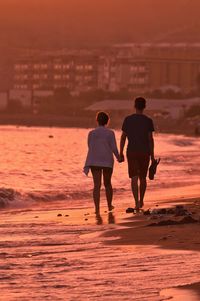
column 101, row 147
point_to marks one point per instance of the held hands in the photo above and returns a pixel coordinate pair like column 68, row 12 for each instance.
column 153, row 158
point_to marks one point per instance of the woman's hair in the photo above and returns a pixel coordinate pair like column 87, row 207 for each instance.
column 102, row 118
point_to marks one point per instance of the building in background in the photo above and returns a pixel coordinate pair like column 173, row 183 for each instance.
column 136, row 68
column 77, row 73
column 21, row 97
column 26, row 99
column 159, row 66
column 39, row 97
column 117, row 74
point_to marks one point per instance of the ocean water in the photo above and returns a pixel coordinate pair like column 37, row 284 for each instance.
column 45, row 164
column 44, row 256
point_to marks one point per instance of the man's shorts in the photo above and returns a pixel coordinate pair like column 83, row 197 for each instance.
column 138, row 164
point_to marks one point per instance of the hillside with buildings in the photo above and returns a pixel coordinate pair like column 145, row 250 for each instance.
column 60, row 87
column 147, row 68
column 43, row 80
column 59, row 57
column 60, row 24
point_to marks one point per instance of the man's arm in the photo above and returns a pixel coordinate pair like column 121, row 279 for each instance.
column 122, row 144
column 151, row 143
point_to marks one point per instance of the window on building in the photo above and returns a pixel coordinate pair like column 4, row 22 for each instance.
column 58, row 66
column 36, row 66
column 66, row 76
column 44, row 76
column 141, row 68
column 36, row 86
column 23, row 87
column 79, row 67
column 17, row 67
column 78, row 78
column 44, row 66
column 36, row 76
column 88, row 67
column 57, row 76
column 134, row 68
column 66, row 66
column 87, row 78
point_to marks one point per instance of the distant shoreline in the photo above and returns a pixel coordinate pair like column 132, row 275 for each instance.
column 169, row 125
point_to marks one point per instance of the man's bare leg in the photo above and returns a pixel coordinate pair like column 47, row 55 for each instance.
column 97, row 174
column 143, row 186
column 134, row 186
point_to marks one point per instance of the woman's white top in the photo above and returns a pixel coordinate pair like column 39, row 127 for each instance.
column 101, row 147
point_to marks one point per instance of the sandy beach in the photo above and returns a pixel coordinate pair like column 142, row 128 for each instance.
column 52, row 246
column 59, row 254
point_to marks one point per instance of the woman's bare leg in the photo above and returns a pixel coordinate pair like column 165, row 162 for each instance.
column 97, row 175
column 107, row 174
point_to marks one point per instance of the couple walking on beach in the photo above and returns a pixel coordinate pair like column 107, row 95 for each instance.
column 138, row 129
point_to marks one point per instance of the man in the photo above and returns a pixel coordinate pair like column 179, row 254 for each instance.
column 138, row 129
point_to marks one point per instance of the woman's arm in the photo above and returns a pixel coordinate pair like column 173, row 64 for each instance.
column 89, row 139
column 114, row 146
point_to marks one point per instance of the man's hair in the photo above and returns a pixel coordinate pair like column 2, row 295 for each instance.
column 140, row 103
column 102, row 118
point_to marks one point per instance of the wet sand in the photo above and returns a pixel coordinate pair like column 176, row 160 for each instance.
column 182, row 293
column 69, row 254
column 137, row 231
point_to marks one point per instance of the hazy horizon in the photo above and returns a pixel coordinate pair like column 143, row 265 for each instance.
column 58, row 24
column 51, row 23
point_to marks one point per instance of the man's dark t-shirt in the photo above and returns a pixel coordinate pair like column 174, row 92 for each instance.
column 137, row 128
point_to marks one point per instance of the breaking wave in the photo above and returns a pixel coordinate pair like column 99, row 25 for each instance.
column 16, row 199
column 10, row 198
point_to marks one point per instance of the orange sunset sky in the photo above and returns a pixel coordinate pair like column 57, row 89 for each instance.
column 51, row 22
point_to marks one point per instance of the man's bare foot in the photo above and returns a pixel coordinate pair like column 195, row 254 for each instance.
column 137, row 205
column 141, row 203
column 110, row 208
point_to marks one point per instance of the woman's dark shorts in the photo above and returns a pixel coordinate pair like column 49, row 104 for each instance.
column 138, row 164
column 101, row 168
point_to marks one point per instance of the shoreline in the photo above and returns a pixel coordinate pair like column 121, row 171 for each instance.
column 168, row 126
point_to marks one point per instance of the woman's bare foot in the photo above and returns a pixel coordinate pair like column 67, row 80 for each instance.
column 141, row 203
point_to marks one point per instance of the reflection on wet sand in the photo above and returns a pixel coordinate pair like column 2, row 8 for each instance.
column 111, row 219
column 99, row 220
column 180, row 294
